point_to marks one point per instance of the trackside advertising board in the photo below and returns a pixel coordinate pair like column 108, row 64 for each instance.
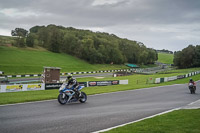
column 21, row 87
column 103, row 83
column 49, row 86
column 41, row 86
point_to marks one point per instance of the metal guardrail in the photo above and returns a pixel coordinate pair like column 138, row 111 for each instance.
column 138, row 70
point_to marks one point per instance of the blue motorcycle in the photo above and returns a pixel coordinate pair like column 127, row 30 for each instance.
column 68, row 95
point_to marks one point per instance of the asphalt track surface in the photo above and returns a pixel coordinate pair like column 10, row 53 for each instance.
column 99, row 112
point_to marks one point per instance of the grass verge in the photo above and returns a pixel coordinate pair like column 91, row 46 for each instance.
column 180, row 121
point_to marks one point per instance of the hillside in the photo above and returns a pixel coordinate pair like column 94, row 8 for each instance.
column 93, row 47
column 165, row 58
column 29, row 60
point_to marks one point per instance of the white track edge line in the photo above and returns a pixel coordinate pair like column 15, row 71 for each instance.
column 194, row 102
column 104, row 130
column 168, row 111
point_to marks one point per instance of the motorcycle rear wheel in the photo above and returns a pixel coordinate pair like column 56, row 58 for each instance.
column 62, row 100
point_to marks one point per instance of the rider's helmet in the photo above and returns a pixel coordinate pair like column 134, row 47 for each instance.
column 69, row 77
column 191, row 80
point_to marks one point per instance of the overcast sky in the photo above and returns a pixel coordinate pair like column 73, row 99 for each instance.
column 159, row 24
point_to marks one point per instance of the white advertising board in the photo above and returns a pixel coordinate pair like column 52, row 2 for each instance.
column 21, row 87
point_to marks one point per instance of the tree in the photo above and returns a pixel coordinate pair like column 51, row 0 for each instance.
column 30, row 40
column 94, row 47
column 177, row 58
column 189, row 54
column 21, row 34
column 186, row 58
column 36, row 29
column 197, row 56
column 55, row 40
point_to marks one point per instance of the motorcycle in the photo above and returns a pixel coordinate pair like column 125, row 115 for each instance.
column 192, row 88
column 68, row 95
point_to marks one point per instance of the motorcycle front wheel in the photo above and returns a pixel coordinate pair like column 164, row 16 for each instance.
column 62, row 100
column 83, row 97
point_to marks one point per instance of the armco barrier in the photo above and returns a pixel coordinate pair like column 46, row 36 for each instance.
column 157, row 80
column 172, row 78
column 67, row 73
column 166, row 79
column 180, row 76
column 139, row 70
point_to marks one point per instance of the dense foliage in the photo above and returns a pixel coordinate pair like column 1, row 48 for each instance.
column 94, row 47
column 21, row 35
column 188, row 57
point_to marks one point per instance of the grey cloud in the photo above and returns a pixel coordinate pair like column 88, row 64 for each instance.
column 130, row 19
column 127, row 12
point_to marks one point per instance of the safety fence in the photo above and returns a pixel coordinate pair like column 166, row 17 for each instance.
column 42, row 86
column 137, row 70
column 166, row 79
column 68, row 73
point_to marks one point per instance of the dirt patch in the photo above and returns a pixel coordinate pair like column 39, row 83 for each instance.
column 99, row 77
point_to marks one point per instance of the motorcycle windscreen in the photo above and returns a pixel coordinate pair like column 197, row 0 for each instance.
column 80, row 87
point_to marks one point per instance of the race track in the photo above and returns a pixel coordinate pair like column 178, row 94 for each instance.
column 99, row 112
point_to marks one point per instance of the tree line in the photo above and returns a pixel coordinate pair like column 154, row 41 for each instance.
column 165, row 51
column 188, row 57
column 94, row 47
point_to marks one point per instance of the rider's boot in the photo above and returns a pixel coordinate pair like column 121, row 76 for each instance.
column 77, row 93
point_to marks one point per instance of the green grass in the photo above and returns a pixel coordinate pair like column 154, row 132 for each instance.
column 181, row 121
column 135, row 82
column 165, row 58
column 27, row 61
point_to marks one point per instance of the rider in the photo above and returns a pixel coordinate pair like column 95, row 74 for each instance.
column 191, row 81
column 72, row 81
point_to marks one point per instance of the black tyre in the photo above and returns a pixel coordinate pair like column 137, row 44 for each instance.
column 83, row 97
column 62, row 100
column 194, row 90
column 191, row 91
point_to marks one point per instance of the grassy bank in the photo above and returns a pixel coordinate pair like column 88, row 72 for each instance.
column 181, row 121
column 165, row 58
column 29, row 61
